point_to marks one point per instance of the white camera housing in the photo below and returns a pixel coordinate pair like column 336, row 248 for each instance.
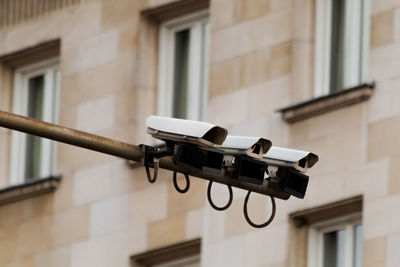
column 285, row 157
column 254, row 147
column 188, row 131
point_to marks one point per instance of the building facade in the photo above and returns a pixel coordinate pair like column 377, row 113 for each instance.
column 315, row 75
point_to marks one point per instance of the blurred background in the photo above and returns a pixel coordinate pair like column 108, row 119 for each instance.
column 315, row 75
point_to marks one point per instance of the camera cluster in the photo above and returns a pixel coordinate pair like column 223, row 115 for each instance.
column 202, row 149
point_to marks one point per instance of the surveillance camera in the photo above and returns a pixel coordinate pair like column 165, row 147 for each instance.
column 187, row 131
column 254, row 147
column 289, row 166
column 197, row 158
column 285, row 157
column 243, row 155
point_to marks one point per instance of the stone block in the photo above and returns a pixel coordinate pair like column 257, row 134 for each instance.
column 194, row 224
column 228, row 13
column 392, row 255
column 383, row 104
column 225, row 77
column 325, row 189
column 110, row 216
column 277, row 5
column 8, row 243
column 396, row 24
column 149, row 204
column 255, row 67
column 95, row 83
column 111, row 250
column 82, row 23
column 384, row 61
column 233, row 248
column 281, row 60
column 394, row 176
column 181, row 203
column 58, row 257
column 225, row 115
column 21, row 37
column 378, row 6
column 374, row 251
column 214, row 226
column 71, row 226
column 372, row 180
column 34, row 236
column 125, row 107
column 302, row 71
column 12, row 214
column 221, row 47
column 259, row 210
column 254, row 8
column 337, row 152
column 96, row 115
column 71, row 158
column 166, row 232
column 105, row 180
column 382, row 138
column 382, row 26
column 263, row 30
column 146, row 105
column 304, row 14
column 89, row 53
column 250, row 35
column 62, row 199
column 255, row 244
column 375, row 217
column 91, row 184
column 117, row 12
column 26, row 262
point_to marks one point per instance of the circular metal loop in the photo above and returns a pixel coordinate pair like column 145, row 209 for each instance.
column 184, row 190
column 212, row 203
column 246, row 200
column 154, row 178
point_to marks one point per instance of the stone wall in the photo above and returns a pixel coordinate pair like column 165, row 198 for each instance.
column 261, row 60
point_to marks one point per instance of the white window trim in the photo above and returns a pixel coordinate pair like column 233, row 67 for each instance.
column 356, row 36
column 316, row 232
column 48, row 68
column 197, row 90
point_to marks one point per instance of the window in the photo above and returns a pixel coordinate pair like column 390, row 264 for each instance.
column 183, row 66
column 35, row 95
column 341, row 44
column 336, row 244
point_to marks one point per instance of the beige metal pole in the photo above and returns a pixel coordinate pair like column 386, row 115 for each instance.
column 122, row 150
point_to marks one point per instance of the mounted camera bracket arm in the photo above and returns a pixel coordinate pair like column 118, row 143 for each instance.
column 124, row 150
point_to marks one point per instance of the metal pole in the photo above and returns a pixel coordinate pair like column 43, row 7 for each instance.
column 70, row 136
column 120, row 149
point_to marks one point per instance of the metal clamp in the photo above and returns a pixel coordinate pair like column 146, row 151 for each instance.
column 150, row 159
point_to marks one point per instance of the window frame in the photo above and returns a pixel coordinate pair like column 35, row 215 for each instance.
column 355, row 69
column 50, row 70
column 317, row 231
column 198, row 77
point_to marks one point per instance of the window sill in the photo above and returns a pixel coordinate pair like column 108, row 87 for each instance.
column 324, row 104
column 30, row 189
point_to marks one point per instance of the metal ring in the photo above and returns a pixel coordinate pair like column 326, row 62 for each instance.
column 154, row 178
column 184, row 190
column 246, row 200
column 212, row 203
